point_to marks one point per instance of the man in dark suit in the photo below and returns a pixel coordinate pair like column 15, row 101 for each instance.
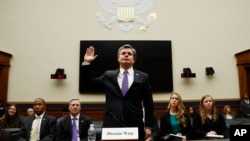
column 123, row 109
column 65, row 131
column 46, row 129
column 245, row 106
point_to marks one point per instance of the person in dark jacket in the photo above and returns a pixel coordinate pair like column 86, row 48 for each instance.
column 46, row 124
column 245, row 106
column 175, row 123
column 208, row 121
column 65, row 132
column 123, row 107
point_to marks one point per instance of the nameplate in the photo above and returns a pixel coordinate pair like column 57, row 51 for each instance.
column 239, row 132
column 128, row 133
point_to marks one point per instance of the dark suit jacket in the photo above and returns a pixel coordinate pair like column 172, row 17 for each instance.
column 124, row 110
column 245, row 108
column 64, row 130
column 200, row 130
column 166, row 128
column 47, row 129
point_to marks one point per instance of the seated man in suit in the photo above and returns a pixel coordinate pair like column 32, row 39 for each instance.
column 245, row 106
column 75, row 126
column 40, row 126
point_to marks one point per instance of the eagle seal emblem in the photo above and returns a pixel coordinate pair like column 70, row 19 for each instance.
column 125, row 13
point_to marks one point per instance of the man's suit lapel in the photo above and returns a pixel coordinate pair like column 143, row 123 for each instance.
column 43, row 124
column 81, row 121
column 68, row 123
column 117, row 87
column 136, row 77
column 114, row 79
column 30, row 122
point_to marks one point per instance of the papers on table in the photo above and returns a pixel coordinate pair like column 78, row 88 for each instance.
column 215, row 136
column 173, row 135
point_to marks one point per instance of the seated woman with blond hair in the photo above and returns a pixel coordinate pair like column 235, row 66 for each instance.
column 208, row 122
column 175, row 123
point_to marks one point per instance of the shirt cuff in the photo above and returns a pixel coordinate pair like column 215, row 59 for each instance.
column 85, row 63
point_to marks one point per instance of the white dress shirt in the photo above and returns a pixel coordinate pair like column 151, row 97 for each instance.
column 130, row 77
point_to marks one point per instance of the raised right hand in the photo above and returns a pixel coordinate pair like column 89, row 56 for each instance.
column 90, row 55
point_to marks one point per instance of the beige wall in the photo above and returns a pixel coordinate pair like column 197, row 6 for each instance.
column 43, row 35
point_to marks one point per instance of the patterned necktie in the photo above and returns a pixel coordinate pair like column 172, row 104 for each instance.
column 34, row 133
column 125, row 83
column 74, row 130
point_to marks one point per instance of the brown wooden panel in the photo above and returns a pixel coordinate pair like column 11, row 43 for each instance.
column 243, row 64
column 4, row 75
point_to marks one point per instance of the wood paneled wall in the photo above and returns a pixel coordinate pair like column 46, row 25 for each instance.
column 243, row 65
column 4, row 75
column 96, row 111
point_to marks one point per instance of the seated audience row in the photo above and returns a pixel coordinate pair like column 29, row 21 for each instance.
column 43, row 127
column 175, row 123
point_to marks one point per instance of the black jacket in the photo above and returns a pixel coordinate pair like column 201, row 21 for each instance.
column 124, row 110
column 64, row 130
column 200, row 130
column 166, row 128
column 47, row 128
